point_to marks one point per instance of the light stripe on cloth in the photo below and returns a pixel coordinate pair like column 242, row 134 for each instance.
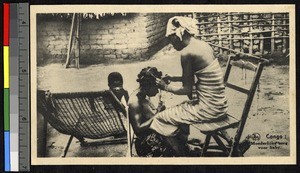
column 212, row 103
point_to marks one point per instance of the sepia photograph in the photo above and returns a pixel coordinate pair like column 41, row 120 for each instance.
column 197, row 84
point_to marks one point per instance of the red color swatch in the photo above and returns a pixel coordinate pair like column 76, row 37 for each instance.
column 5, row 24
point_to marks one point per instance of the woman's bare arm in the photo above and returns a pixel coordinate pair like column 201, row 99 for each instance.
column 187, row 78
column 176, row 78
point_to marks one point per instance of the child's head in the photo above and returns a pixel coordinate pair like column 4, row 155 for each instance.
column 148, row 76
column 115, row 80
column 148, row 80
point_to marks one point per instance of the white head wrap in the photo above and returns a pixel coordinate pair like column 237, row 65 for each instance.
column 185, row 24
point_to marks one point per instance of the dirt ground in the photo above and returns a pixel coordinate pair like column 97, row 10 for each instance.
column 269, row 115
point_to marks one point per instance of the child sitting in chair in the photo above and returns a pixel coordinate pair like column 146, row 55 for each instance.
column 115, row 84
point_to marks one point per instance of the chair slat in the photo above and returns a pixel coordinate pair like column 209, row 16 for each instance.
column 100, row 110
column 110, row 115
column 244, row 64
column 63, row 116
column 230, row 119
column 90, row 117
column 211, row 127
column 75, row 117
column 85, row 113
column 240, row 89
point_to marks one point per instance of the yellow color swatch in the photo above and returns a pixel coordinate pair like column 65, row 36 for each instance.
column 6, row 66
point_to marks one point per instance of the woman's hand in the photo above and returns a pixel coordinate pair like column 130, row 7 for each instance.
column 162, row 84
column 161, row 107
column 167, row 79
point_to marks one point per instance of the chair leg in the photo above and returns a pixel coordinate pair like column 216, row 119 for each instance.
column 130, row 146
column 44, row 140
column 67, row 147
column 224, row 134
column 130, row 140
column 221, row 144
column 205, row 146
column 234, row 151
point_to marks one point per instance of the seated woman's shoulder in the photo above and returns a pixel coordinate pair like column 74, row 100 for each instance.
column 202, row 43
column 133, row 101
column 196, row 48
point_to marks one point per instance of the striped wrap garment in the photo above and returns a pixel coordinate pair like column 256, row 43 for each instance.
column 212, row 103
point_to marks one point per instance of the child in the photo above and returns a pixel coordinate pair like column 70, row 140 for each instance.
column 115, row 84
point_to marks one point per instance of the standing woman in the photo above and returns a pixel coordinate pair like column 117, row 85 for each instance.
column 197, row 61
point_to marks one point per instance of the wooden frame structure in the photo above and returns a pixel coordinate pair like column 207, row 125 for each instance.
column 262, row 28
column 94, row 115
column 74, row 32
column 216, row 130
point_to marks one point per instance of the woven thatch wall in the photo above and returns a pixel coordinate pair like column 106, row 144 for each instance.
column 255, row 33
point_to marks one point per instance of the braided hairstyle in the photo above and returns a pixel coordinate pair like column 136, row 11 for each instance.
column 147, row 77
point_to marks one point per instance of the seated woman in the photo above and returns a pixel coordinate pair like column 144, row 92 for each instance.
column 141, row 113
column 202, row 81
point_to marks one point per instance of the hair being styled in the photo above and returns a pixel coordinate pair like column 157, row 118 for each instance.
column 148, row 76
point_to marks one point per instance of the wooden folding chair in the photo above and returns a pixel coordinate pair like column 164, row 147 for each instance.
column 216, row 130
column 93, row 115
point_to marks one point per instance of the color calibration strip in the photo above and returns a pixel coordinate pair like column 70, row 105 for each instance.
column 6, row 14
column 16, row 86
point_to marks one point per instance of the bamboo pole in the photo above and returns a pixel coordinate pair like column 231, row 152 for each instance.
column 70, row 41
column 219, row 35
column 241, row 21
column 242, row 26
column 254, row 32
column 232, row 14
column 230, row 29
column 272, row 35
column 284, row 41
column 240, row 53
column 247, row 38
column 264, row 25
column 77, row 51
column 261, row 47
column 242, row 44
column 251, row 36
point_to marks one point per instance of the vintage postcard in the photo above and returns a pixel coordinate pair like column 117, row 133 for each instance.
column 162, row 84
